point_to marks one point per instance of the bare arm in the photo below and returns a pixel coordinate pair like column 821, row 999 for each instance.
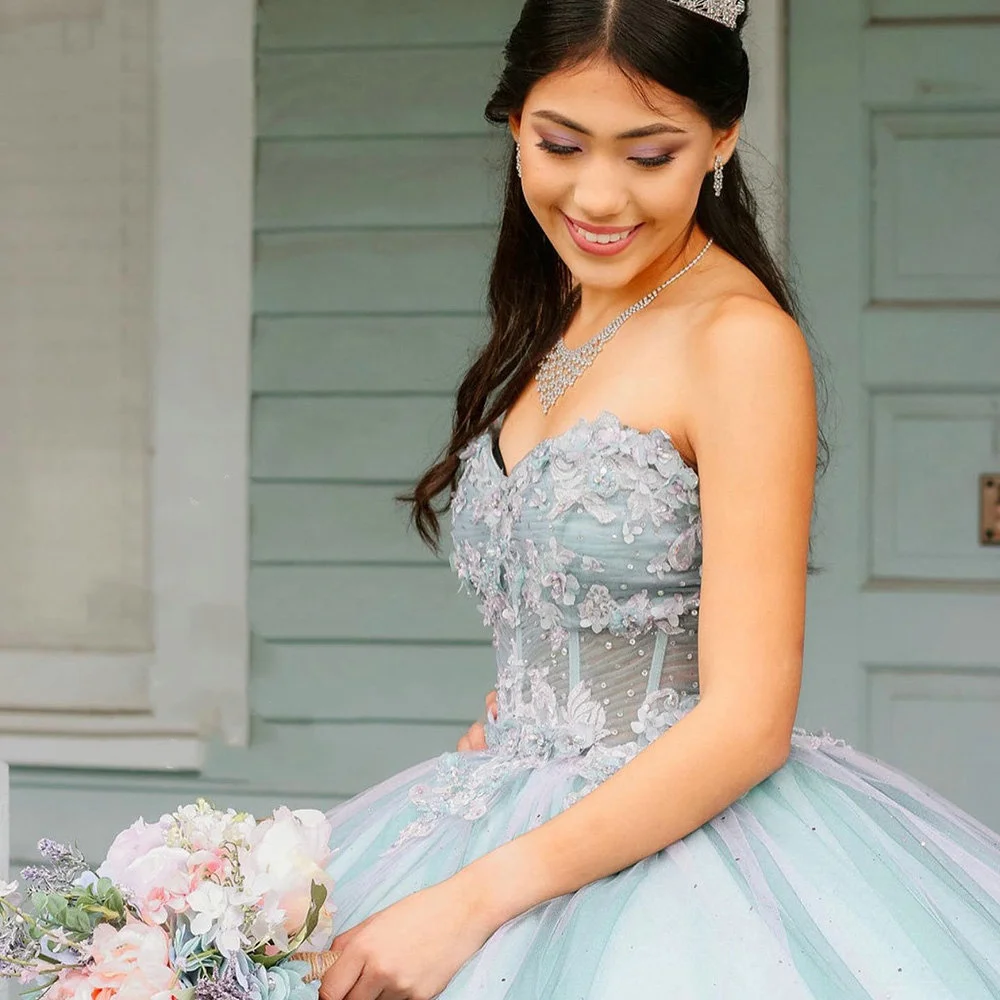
column 754, row 432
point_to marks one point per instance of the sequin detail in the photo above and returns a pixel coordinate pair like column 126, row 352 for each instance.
column 540, row 550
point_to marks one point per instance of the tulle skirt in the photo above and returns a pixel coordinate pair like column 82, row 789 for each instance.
column 836, row 878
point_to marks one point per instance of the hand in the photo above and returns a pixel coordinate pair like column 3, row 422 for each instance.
column 410, row 950
column 475, row 738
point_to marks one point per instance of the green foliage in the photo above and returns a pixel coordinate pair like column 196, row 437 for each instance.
column 80, row 908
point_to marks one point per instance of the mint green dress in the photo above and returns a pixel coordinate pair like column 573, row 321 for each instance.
column 836, row 878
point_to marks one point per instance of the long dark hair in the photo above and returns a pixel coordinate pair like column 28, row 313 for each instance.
column 531, row 292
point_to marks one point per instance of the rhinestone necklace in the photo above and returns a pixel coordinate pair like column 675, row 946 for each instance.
column 563, row 365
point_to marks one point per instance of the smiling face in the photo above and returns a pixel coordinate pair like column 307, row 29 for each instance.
column 613, row 183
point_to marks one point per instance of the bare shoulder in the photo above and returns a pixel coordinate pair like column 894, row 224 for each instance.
column 748, row 323
column 751, row 345
column 752, row 389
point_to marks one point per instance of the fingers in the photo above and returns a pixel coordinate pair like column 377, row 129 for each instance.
column 474, row 739
column 341, row 978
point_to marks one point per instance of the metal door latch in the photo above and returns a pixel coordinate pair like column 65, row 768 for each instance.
column 989, row 508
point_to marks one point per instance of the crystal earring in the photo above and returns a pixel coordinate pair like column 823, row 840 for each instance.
column 718, row 177
column 517, row 160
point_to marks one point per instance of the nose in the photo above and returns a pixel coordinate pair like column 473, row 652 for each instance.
column 599, row 193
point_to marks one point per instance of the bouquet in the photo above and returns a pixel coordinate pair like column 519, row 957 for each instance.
column 202, row 905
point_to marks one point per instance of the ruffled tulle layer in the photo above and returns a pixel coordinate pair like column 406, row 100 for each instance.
column 837, row 878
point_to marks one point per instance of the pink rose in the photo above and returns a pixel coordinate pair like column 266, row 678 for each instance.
column 159, row 883
column 209, row 865
column 129, row 964
column 139, row 839
column 73, row 984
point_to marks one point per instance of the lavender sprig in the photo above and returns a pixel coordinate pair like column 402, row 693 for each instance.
column 66, row 865
column 225, row 985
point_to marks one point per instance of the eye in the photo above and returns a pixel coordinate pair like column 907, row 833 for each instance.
column 551, row 147
column 653, row 161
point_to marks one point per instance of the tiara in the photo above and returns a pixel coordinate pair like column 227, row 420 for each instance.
column 724, row 11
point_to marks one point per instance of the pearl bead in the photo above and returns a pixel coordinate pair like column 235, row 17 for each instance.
column 630, row 693
column 604, row 684
column 608, row 645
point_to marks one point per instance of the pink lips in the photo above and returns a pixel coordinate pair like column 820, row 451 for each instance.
column 599, row 249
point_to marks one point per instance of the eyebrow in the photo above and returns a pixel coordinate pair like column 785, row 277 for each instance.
column 633, row 133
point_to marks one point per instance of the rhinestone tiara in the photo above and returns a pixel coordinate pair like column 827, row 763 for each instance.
column 724, row 11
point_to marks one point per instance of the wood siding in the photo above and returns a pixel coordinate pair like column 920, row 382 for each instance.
column 375, row 214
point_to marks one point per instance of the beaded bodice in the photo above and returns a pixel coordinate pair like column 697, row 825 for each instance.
column 586, row 562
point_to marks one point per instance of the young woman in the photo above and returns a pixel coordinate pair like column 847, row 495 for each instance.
column 630, row 479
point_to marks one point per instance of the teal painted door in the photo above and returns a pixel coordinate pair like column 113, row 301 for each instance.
column 895, row 230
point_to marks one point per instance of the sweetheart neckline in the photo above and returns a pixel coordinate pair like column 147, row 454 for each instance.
column 492, row 434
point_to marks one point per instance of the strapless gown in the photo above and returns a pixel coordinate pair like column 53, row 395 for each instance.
column 838, row 877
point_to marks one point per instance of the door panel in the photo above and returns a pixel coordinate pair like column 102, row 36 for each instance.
column 894, row 151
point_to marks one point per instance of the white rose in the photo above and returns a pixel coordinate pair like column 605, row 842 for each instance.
column 287, row 854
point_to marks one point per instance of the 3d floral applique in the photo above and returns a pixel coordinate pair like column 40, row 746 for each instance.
column 592, row 543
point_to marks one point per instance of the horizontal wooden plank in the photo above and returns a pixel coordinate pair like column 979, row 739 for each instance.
column 433, row 91
column 361, row 602
column 332, row 759
column 68, row 813
column 298, row 522
column 887, row 10
column 305, row 24
column 385, row 681
column 421, row 181
column 353, row 353
column 341, row 437
column 405, row 270
column 951, row 66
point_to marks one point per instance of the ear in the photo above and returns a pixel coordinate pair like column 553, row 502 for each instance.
column 725, row 142
column 514, row 120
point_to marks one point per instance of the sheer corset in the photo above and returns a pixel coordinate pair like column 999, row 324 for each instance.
column 586, row 560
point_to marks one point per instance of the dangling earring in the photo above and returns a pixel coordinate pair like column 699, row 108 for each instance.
column 718, row 177
column 517, row 160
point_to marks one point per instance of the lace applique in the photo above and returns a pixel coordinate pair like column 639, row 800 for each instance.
column 600, row 612
column 558, row 547
column 466, row 784
column 539, row 730
column 821, row 740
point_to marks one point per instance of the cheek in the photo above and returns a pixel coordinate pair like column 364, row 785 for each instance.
column 675, row 192
column 545, row 188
